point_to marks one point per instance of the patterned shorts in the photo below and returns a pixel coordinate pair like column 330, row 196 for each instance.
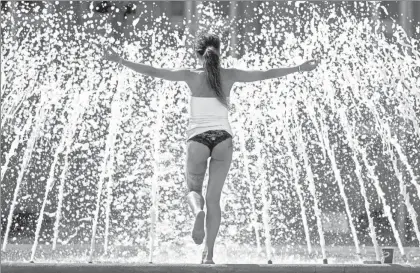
column 211, row 138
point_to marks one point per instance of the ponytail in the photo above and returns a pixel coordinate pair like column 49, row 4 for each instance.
column 212, row 69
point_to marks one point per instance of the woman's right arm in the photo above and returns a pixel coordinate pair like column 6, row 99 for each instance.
column 239, row 75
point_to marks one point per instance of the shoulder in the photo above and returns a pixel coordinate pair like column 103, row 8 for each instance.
column 186, row 73
column 196, row 71
column 192, row 71
column 192, row 75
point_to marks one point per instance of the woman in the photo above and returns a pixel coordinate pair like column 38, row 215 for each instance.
column 209, row 133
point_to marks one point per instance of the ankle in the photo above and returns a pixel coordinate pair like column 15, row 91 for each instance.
column 207, row 256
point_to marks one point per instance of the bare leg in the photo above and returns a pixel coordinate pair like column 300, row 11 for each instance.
column 221, row 158
column 197, row 155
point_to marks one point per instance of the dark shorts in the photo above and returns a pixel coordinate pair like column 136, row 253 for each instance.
column 211, row 138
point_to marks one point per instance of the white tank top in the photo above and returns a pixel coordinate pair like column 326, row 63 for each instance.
column 207, row 114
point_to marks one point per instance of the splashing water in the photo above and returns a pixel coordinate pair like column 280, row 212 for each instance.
column 74, row 125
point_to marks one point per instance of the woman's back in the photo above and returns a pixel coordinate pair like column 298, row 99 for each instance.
column 199, row 86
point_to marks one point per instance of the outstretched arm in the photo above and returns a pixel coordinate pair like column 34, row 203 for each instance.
column 239, row 75
column 148, row 70
column 162, row 73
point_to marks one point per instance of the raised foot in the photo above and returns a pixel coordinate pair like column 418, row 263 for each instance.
column 198, row 230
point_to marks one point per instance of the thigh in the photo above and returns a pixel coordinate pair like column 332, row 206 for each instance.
column 196, row 165
column 221, row 159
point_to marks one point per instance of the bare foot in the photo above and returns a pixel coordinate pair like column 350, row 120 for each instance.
column 198, row 230
column 206, row 261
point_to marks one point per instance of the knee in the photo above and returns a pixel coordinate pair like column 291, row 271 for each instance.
column 195, row 182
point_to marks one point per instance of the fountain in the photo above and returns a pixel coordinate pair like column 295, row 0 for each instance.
column 325, row 167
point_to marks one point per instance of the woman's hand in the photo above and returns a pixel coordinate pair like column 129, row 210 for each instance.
column 111, row 55
column 309, row 65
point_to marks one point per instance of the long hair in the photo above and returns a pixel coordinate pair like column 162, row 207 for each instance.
column 206, row 47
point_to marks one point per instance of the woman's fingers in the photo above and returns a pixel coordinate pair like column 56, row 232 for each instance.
column 105, row 48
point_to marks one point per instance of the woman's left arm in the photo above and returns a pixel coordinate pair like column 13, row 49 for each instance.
column 162, row 73
column 148, row 70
